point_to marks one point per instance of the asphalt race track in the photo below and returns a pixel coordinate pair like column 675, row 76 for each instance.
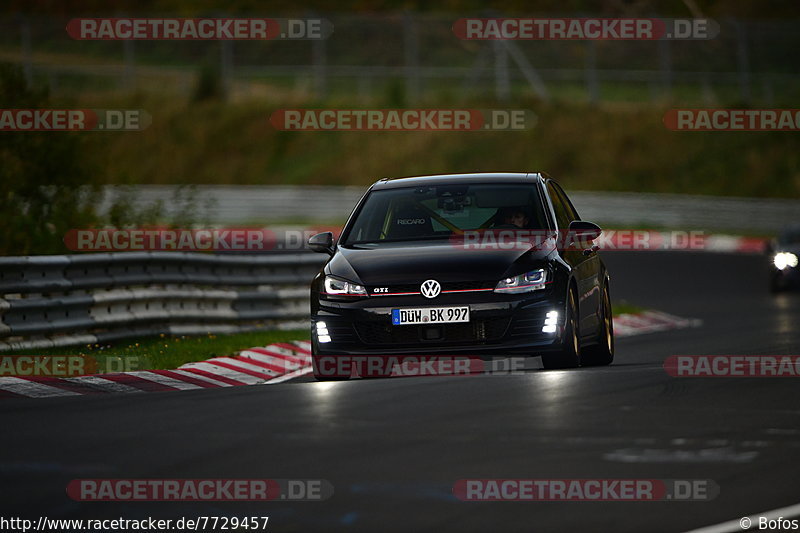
column 393, row 448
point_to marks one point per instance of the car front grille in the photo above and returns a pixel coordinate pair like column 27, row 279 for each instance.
column 527, row 325
column 341, row 332
column 479, row 330
column 414, row 288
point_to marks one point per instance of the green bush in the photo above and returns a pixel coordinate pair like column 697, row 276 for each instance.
column 50, row 182
column 45, row 183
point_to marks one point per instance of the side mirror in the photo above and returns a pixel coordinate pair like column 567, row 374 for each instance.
column 322, row 242
column 584, row 231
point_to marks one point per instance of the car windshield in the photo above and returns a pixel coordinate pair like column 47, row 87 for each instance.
column 439, row 212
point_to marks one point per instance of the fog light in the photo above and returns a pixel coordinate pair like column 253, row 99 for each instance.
column 322, row 332
column 550, row 322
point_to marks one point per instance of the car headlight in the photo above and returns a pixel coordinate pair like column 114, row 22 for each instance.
column 342, row 287
column 784, row 259
column 527, row 282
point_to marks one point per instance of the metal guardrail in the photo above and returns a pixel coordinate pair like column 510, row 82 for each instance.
column 48, row 301
column 686, row 211
column 229, row 204
column 52, row 301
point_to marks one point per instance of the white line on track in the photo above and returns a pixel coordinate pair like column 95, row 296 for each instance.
column 104, row 384
column 244, row 365
column 738, row 525
column 211, row 368
column 291, row 375
column 280, row 362
column 200, row 377
column 165, row 380
column 32, row 389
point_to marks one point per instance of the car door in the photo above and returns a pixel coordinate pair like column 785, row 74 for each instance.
column 586, row 263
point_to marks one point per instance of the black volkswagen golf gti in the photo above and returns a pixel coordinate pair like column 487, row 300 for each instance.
column 471, row 264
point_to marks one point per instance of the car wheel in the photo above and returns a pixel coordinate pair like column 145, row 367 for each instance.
column 570, row 354
column 602, row 353
column 322, row 372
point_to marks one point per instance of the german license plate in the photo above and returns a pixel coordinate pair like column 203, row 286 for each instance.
column 430, row 315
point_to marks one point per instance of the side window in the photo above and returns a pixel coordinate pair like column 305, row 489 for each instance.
column 562, row 216
column 571, row 212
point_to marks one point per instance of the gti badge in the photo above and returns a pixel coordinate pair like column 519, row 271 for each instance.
column 430, row 288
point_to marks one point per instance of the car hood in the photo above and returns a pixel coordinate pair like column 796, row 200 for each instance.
column 394, row 264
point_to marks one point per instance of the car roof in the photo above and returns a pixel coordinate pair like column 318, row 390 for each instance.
column 451, row 179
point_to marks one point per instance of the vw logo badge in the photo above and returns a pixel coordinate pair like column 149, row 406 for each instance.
column 430, row 288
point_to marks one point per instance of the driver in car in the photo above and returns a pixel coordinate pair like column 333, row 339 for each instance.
column 512, row 216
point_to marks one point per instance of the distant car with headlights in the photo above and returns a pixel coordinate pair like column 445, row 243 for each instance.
column 784, row 253
column 400, row 279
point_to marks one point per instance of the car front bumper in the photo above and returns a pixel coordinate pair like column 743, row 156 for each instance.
column 505, row 325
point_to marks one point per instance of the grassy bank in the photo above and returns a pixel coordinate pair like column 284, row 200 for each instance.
column 611, row 148
column 168, row 352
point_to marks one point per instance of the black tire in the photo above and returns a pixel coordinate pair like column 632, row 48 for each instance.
column 775, row 285
column 602, row 353
column 570, row 354
column 321, row 375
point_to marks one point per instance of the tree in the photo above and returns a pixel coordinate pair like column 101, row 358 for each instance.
column 46, row 187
